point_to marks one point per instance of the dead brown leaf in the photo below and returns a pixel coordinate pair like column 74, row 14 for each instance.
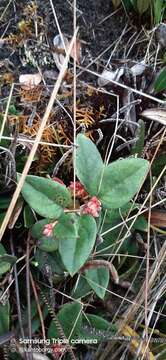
column 158, row 218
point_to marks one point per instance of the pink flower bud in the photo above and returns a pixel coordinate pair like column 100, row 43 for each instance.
column 47, row 231
column 92, row 207
column 80, row 191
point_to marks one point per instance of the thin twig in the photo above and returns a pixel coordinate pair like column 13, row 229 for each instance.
column 27, row 140
column 74, row 101
column 141, row 93
column 6, row 111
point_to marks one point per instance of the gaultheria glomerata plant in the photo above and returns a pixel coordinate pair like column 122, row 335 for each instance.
column 71, row 221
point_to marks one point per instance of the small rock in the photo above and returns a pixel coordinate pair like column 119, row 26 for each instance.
column 110, row 75
column 29, row 81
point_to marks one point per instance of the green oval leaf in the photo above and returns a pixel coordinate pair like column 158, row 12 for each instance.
column 98, row 280
column 77, row 235
column 10, row 259
column 160, row 83
column 45, row 196
column 4, row 267
column 47, row 244
column 121, row 181
column 82, row 289
column 89, row 164
column 95, row 327
column 70, row 318
column 37, row 228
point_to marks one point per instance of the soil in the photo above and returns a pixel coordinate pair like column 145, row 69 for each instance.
column 102, row 37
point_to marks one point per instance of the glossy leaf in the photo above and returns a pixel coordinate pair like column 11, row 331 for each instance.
column 70, row 318
column 121, row 181
column 160, row 83
column 77, row 235
column 98, row 279
column 45, row 196
column 89, row 164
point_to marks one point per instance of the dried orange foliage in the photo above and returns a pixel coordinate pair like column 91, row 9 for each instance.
column 17, row 119
column 24, row 32
column 31, row 96
column 47, row 151
column 31, row 9
column 26, row 27
column 59, row 129
column 84, row 116
column 8, row 78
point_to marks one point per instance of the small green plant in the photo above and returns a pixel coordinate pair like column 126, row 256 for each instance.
column 72, row 232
